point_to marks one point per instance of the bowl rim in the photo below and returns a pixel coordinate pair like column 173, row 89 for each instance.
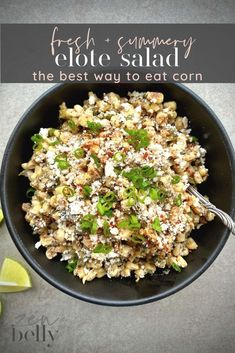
column 91, row 299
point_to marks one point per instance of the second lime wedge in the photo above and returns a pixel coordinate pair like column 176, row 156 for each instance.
column 13, row 277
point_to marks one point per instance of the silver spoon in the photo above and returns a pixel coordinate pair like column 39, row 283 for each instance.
column 224, row 217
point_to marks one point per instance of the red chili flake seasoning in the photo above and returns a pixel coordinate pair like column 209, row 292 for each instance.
column 104, row 159
column 145, row 155
column 166, row 248
column 90, row 144
column 125, row 149
column 113, row 223
column 148, row 244
column 110, row 153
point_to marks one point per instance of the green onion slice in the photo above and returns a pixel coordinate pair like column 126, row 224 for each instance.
column 175, row 179
column 86, row 191
column 142, row 194
column 110, row 197
column 138, row 138
column 62, row 162
column 95, row 159
column 68, row 192
column 176, row 267
column 30, row 192
column 131, row 201
column 131, row 222
column 130, row 191
column 72, row 264
column 102, row 249
column 106, row 229
column 156, row 225
column 89, row 224
column 79, row 153
column 94, row 127
column 157, row 194
column 178, row 200
column 51, row 132
column 55, row 142
column 137, row 238
column 153, row 193
column 72, row 125
column 119, row 157
column 194, row 138
column 37, row 140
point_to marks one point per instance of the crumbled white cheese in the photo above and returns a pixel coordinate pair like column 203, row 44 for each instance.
column 164, row 226
column 93, row 237
column 126, row 106
column 114, row 231
column 95, row 186
column 91, row 100
column 202, row 151
column 100, row 222
column 66, row 255
column 75, row 207
column 43, row 132
column 109, row 169
column 147, row 200
column 38, row 244
column 112, row 255
column 50, row 155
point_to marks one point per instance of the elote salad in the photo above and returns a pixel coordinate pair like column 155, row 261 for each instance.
column 108, row 187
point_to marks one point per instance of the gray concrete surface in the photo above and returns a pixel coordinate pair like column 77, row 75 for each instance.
column 200, row 318
column 110, row 11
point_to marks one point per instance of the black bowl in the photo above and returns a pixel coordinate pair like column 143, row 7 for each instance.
column 220, row 187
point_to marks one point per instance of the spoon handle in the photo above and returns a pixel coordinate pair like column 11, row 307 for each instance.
column 224, row 217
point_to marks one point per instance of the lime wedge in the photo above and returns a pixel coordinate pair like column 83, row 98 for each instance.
column 13, row 277
column 1, row 215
